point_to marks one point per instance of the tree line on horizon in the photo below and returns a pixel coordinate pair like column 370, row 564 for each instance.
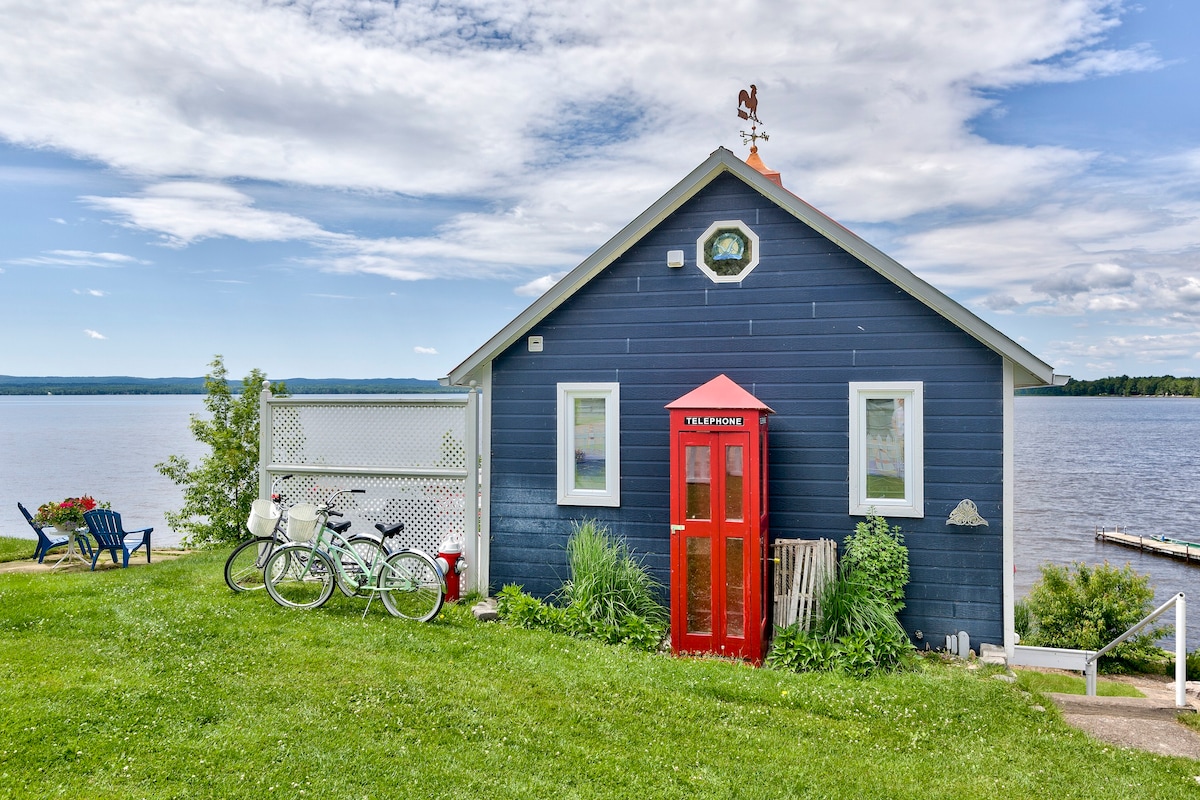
column 1122, row 386
column 13, row 385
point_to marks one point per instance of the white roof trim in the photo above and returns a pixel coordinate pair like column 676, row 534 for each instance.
column 1029, row 369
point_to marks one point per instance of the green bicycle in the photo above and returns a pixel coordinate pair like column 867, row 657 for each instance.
column 303, row 574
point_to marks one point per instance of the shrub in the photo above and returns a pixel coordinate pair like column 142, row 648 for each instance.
column 1193, row 665
column 1086, row 607
column 856, row 633
column 610, row 596
column 877, row 554
column 607, row 583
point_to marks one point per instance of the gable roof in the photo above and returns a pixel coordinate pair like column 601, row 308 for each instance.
column 1029, row 370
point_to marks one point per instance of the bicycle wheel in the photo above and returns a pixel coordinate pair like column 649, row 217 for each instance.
column 299, row 577
column 355, row 580
column 410, row 586
column 244, row 567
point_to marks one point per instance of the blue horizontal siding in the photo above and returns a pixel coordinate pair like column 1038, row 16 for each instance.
column 805, row 323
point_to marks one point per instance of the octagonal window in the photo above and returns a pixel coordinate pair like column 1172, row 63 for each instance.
column 727, row 251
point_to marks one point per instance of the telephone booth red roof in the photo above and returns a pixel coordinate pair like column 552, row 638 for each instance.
column 720, row 392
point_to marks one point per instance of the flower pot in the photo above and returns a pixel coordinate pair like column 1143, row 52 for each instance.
column 66, row 527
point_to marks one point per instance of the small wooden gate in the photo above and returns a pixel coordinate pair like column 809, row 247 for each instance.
column 802, row 569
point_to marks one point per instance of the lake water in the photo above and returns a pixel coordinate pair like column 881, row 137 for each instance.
column 1081, row 463
column 1089, row 462
column 52, row 447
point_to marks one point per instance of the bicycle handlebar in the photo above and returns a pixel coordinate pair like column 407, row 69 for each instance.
column 327, row 506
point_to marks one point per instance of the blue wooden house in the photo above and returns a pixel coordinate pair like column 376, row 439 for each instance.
column 886, row 395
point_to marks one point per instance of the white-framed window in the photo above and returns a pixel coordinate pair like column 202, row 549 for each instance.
column 589, row 444
column 887, row 461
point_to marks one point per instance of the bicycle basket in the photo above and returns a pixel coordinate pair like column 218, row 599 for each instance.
column 303, row 522
column 263, row 516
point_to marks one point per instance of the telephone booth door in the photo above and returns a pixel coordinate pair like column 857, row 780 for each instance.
column 718, row 522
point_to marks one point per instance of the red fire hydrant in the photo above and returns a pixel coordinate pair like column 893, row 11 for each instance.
column 452, row 564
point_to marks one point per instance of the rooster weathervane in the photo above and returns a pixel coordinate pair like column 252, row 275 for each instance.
column 748, row 110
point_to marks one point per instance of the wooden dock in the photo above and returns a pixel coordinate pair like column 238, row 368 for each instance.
column 1160, row 545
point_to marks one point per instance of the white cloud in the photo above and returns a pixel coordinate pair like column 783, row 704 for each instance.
column 184, row 212
column 542, row 130
column 91, row 292
column 93, row 334
column 77, row 258
column 538, row 286
column 425, row 351
column 562, row 117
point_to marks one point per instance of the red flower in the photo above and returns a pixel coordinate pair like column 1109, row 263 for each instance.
column 88, row 502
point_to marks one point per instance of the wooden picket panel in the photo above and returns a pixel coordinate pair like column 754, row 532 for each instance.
column 802, row 568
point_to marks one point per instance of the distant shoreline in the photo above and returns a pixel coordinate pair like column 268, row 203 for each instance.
column 124, row 385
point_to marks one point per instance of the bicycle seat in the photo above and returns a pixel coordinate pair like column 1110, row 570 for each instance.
column 339, row 527
column 389, row 530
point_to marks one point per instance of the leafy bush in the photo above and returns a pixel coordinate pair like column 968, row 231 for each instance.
column 876, row 552
column 610, row 596
column 856, row 632
column 1086, row 607
column 1193, row 665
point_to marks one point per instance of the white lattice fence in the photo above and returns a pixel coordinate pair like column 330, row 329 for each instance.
column 802, row 569
column 410, row 455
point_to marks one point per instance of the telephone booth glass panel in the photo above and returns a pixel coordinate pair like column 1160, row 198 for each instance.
column 699, row 482
column 733, row 483
column 699, row 585
column 735, row 588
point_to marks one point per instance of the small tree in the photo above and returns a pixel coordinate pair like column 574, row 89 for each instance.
column 218, row 491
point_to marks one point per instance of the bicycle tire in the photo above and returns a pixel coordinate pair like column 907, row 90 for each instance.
column 352, row 581
column 410, row 586
column 299, row 577
column 244, row 567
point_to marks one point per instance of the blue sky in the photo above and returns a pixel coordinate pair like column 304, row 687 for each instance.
column 349, row 188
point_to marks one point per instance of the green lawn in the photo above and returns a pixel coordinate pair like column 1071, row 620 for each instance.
column 14, row 549
column 1053, row 682
column 157, row 682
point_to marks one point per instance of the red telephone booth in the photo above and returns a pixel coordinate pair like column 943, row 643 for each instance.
column 719, row 521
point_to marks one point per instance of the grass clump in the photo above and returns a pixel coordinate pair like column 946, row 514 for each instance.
column 856, row 633
column 610, row 596
column 14, row 549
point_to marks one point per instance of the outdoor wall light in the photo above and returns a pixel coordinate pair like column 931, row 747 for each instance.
column 674, row 258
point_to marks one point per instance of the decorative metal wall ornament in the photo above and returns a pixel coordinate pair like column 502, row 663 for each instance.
column 966, row 514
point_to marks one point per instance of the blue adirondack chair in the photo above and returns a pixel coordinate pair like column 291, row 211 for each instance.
column 105, row 527
column 46, row 543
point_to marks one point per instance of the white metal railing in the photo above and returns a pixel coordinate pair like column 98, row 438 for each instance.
column 1180, row 647
column 1085, row 660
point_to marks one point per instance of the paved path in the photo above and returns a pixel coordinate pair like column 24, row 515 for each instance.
column 1150, row 723
column 137, row 560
